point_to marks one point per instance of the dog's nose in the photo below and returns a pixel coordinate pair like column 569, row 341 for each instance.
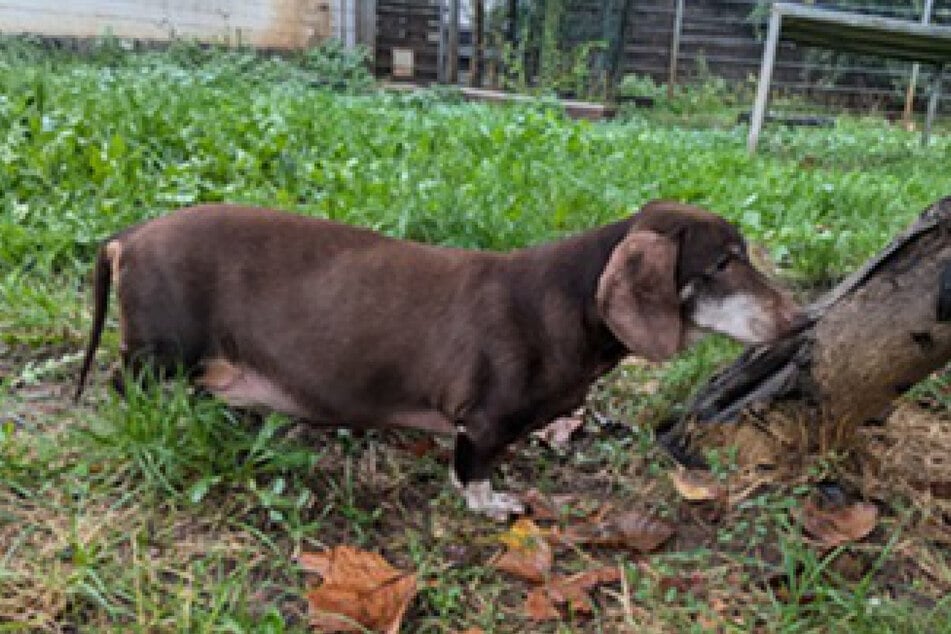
column 793, row 319
column 800, row 321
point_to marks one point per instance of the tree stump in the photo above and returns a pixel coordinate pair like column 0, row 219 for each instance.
column 879, row 332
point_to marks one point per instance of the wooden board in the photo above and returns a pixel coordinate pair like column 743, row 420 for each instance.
column 409, row 26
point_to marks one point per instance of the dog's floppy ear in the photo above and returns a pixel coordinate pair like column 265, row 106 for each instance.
column 637, row 295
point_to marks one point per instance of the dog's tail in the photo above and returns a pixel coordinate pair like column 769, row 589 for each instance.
column 102, row 281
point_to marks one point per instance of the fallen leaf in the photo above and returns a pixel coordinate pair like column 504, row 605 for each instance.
column 540, row 506
column 633, row 529
column 546, row 602
column 543, row 603
column 552, row 507
column 941, row 489
column 539, row 606
column 528, row 554
column 683, row 583
column 359, row 591
column 599, row 576
column 472, row 630
column 696, row 485
column 718, row 605
column 425, row 446
column 558, row 433
column 835, row 526
column 707, row 623
column 421, row 447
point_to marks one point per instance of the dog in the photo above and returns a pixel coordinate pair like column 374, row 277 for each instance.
column 340, row 325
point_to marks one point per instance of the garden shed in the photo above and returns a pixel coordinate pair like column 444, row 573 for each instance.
column 570, row 44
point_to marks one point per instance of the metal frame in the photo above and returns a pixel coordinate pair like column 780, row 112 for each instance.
column 910, row 94
column 675, row 48
column 843, row 30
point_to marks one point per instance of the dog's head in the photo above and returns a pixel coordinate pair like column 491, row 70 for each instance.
column 682, row 271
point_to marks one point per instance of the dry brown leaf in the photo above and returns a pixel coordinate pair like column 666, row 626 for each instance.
column 359, row 591
column 707, row 623
column 633, row 529
column 544, row 601
column 539, row 606
column 558, row 433
column 472, row 630
column 718, row 605
column 552, row 507
column 836, row 526
column 528, row 554
column 422, row 446
column 596, row 577
column 541, row 506
column 683, row 583
column 696, row 485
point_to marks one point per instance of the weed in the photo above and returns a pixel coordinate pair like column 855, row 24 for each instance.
column 168, row 511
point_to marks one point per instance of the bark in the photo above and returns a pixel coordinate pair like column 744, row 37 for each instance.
column 874, row 336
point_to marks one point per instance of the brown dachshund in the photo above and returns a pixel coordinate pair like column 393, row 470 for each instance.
column 343, row 326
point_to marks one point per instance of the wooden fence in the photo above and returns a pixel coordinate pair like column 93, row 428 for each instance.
column 723, row 38
column 718, row 38
column 408, row 38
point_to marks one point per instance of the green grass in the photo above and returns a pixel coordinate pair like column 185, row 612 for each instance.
column 91, row 148
column 167, row 512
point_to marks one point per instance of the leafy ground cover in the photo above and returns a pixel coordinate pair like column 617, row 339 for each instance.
column 168, row 513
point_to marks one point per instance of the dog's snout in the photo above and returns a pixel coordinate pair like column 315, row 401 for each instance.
column 790, row 317
column 799, row 320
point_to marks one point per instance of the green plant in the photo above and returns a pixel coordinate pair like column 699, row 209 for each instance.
column 581, row 80
column 174, row 444
column 332, row 63
column 168, row 511
column 513, row 72
column 550, row 54
column 640, row 86
column 359, row 518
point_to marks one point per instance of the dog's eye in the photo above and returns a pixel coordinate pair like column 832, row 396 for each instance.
column 721, row 263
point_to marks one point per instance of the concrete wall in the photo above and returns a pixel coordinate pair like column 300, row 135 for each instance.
column 282, row 24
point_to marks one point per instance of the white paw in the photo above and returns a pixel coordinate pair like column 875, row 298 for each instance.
column 482, row 499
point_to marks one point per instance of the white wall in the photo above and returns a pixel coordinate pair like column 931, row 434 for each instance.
column 264, row 23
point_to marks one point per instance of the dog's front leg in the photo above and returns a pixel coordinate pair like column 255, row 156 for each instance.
column 478, row 445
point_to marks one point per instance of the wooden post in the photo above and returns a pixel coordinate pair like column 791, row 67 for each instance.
column 913, row 80
column 350, row 24
column 512, row 34
column 366, row 26
column 478, row 44
column 675, row 48
column 932, row 104
column 549, row 56
column 765, row 76
column 616, row 52
column 452, row 50
column 441, row 58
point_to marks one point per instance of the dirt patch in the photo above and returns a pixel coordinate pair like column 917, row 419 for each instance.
column 726, row 566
